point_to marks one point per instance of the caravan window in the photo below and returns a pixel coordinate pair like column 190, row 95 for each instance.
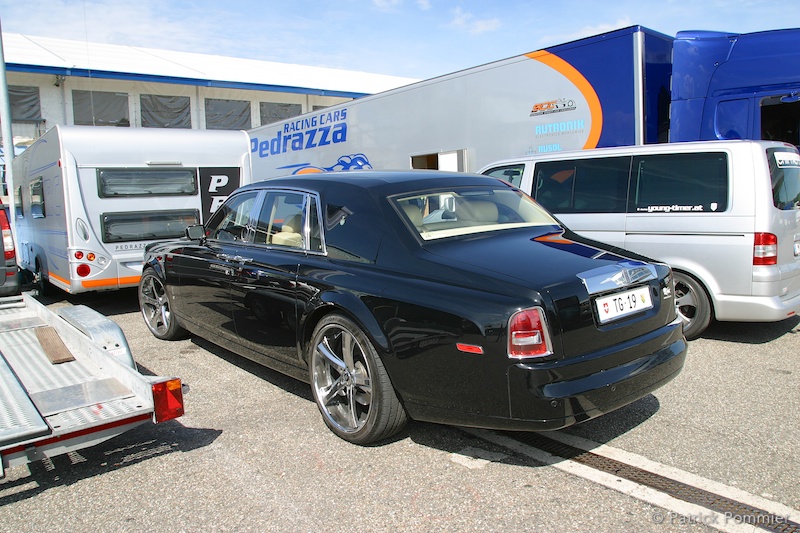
column 37, row 198
column 147, row 225
column 597, row 185
column 680, row 183
column 115, row 182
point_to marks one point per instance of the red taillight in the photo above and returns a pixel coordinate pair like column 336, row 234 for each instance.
column 78, row 254
column 8, row 238
column 765, row 249
column 83, row 270
column 167, row 400
column 527, row 334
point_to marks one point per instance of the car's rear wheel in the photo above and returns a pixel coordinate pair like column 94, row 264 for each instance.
column 154, row 303
column 693, row 305
column 350, row 384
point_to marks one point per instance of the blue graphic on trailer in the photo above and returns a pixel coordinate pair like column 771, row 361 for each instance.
column 345, row 162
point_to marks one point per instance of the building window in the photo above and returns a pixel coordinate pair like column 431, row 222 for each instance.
column 98, row 108
column 159, row 111
column 25, row 104
column 275, row 112
column 227, row 114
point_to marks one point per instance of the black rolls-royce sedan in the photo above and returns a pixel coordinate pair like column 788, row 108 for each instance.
column 442, row 297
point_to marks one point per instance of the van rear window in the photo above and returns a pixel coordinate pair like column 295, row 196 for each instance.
column 147, row 225
column 116, row 182
column 784, row 168
column 680, row 183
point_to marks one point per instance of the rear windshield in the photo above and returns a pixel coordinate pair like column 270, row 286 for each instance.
column 784, row 168
column 452, row 212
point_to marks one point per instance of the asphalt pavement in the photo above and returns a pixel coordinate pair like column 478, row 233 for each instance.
column 252, row 454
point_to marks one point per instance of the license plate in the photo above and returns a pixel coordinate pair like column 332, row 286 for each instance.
column 623, row 304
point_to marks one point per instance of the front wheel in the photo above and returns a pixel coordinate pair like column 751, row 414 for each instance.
column 350, row 384
column 693, row 305
column 155, row 306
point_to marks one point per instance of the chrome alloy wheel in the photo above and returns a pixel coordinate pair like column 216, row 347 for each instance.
column 341, row 378
column 154, row 303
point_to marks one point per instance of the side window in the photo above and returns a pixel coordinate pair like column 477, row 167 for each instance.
column 37, row 198
column 598, row 185
column 680, row 183
column 18, row 203
column 509, row 173
column 280, row 221
column 231, row 221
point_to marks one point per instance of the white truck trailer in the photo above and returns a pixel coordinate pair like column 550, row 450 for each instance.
column 626, row 87
column 88, row 200
column 68, row 381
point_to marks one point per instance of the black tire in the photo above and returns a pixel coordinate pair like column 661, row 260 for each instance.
column 350, row 384
column 155, row 307
column 40, row 283
column 693, row 305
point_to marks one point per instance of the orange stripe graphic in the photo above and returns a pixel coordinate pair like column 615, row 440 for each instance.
column 583, row 85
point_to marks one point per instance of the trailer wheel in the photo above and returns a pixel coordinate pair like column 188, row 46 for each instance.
column 350, row 384
column 154, row 303
column 693, row 305
column 40, row 283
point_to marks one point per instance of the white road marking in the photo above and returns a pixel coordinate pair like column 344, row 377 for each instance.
column 676, row 511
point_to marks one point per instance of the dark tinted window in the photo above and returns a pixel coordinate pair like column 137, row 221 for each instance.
column 680, row 183
column 162, row 111
column 147, row 225
column 784, row 167
column 583, row 186
column 116, row 182
column 100, row 108
column 510, row 173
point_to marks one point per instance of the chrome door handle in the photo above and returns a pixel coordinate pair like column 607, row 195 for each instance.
column 235, row 258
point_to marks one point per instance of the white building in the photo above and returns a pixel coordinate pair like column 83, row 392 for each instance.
column 55, row 81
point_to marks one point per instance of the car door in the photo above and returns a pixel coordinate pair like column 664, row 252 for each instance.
column 206, row 270
column 264, row 293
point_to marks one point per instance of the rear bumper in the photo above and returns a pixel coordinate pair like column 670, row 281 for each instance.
column 755, row 308
column 557, row 394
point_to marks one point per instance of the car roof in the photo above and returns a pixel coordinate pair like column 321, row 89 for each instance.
column 385, row 182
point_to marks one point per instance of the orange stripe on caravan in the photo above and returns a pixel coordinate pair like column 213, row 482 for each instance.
column 112, row 282
column 583, row 85
column 58, row 278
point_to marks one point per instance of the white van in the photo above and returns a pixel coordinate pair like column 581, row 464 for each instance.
column 724, row 214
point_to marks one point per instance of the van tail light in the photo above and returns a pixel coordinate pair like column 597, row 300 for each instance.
column 167, row 400
column 528, row 335
column 765, row 249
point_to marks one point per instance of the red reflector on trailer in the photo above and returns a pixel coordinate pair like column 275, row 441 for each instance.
column 167, row 400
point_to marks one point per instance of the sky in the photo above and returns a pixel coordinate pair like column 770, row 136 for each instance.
column 409, row 38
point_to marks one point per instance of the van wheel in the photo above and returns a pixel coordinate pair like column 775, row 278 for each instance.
column 693, row 305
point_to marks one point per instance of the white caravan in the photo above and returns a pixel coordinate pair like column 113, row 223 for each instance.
column 88, row 200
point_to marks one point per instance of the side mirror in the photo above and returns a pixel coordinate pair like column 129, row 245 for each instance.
column 196, row 232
